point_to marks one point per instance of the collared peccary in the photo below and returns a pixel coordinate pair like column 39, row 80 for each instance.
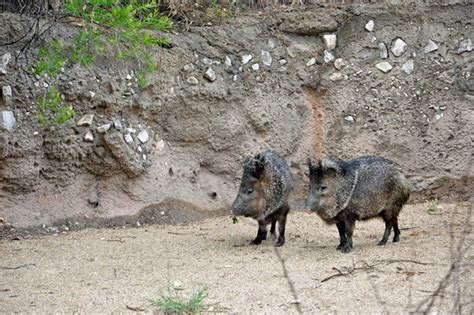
column 263, row 194
column 342, row 192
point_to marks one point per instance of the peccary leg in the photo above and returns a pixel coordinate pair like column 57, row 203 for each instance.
column 386, row 234
column 341, row 227
column 261, row 234
column 272, row 229
column 396, row 230
column 282, row 225
column 349, row 226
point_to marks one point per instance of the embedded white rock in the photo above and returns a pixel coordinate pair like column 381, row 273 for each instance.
column 384, row 66
column 266, row 58
column 336, row 76
column 7, row 120
column 255, row 66
column 339, row 63
column 89, row 137
column 143, row 136
column 330, row 40
column 408, row 67
column 86, row 120
column 311, row 62
column 370, row 26
column 328, row 56
column 228, row 61
column 465, row 45
column 398, row 47
column 246, row 58
column 431, row 46
column 103, row 128
column 128, row 138
column 383, row 52
column 210, row 75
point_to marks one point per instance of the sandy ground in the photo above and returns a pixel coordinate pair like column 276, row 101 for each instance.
column 112, row 270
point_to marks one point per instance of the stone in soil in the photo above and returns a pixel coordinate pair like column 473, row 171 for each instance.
column 89, row 137
column 465, row 46
column 246, row 58
column 103, row 128
column 86, row 120
column 383, row 52
column 339, row 63
column 4, row 62
column 143, row 136
column 398, row 47
column 408, row 67
column 210, row 75
column 370, row 26
column 311, row 62
column 430, row 47
column 7, row 120
column 330, row 40
column 328, row 56
column 192, row 80
column 266, row 58
column 384, row 66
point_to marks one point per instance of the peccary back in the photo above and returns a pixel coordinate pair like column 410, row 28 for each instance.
column 357, row 189
column 264, row 189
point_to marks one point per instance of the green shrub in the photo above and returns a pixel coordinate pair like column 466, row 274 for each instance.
column 51, row 110
column 50, row 59
column 173, row 304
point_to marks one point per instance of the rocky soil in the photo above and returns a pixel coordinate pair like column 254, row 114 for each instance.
column 391, row 80
column 120, row 270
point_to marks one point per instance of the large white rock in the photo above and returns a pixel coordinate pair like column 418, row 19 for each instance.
column 266, row 58
column 465, row 45
column 311, row 62
column 86, row 120
column 210, row 75
column 384, row 66
column 246, row 58
column 4, row 62
column 408, row 67
column 7, row 120
column 398, row 47
column 143, row 136
column 383, row 52
column 370, row 26
column 328, row 56
column 330, row 40
column 431, row 46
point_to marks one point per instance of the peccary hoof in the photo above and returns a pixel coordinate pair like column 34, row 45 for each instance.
column 382, row 242
column 339, row 247
column 280, row 241
column 255, row 242
column 396, row 238
column 346, row 248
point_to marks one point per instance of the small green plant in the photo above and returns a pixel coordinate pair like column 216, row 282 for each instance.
column 51, row 110
column 85, row 46
column 173, row 304
column 215, row 11
column 235, row 220
column 433, row 205
column 51, row 59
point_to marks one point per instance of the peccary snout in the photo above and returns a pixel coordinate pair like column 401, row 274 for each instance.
column 263, row 194
column 342, row 192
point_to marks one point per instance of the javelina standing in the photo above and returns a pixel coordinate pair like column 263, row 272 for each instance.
column 263, row 194
column 342, row 192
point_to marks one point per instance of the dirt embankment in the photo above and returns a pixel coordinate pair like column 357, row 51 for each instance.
column 401, row 88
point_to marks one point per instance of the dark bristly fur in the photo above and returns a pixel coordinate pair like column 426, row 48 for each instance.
column 263, row 194
column 342, row 192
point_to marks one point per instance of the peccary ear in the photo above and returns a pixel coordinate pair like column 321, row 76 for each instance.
column 332, row 163
column 259, row 166
column 313, row 164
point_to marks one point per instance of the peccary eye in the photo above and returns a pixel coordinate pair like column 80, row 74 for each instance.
column 249, row 191
column 323, row 188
